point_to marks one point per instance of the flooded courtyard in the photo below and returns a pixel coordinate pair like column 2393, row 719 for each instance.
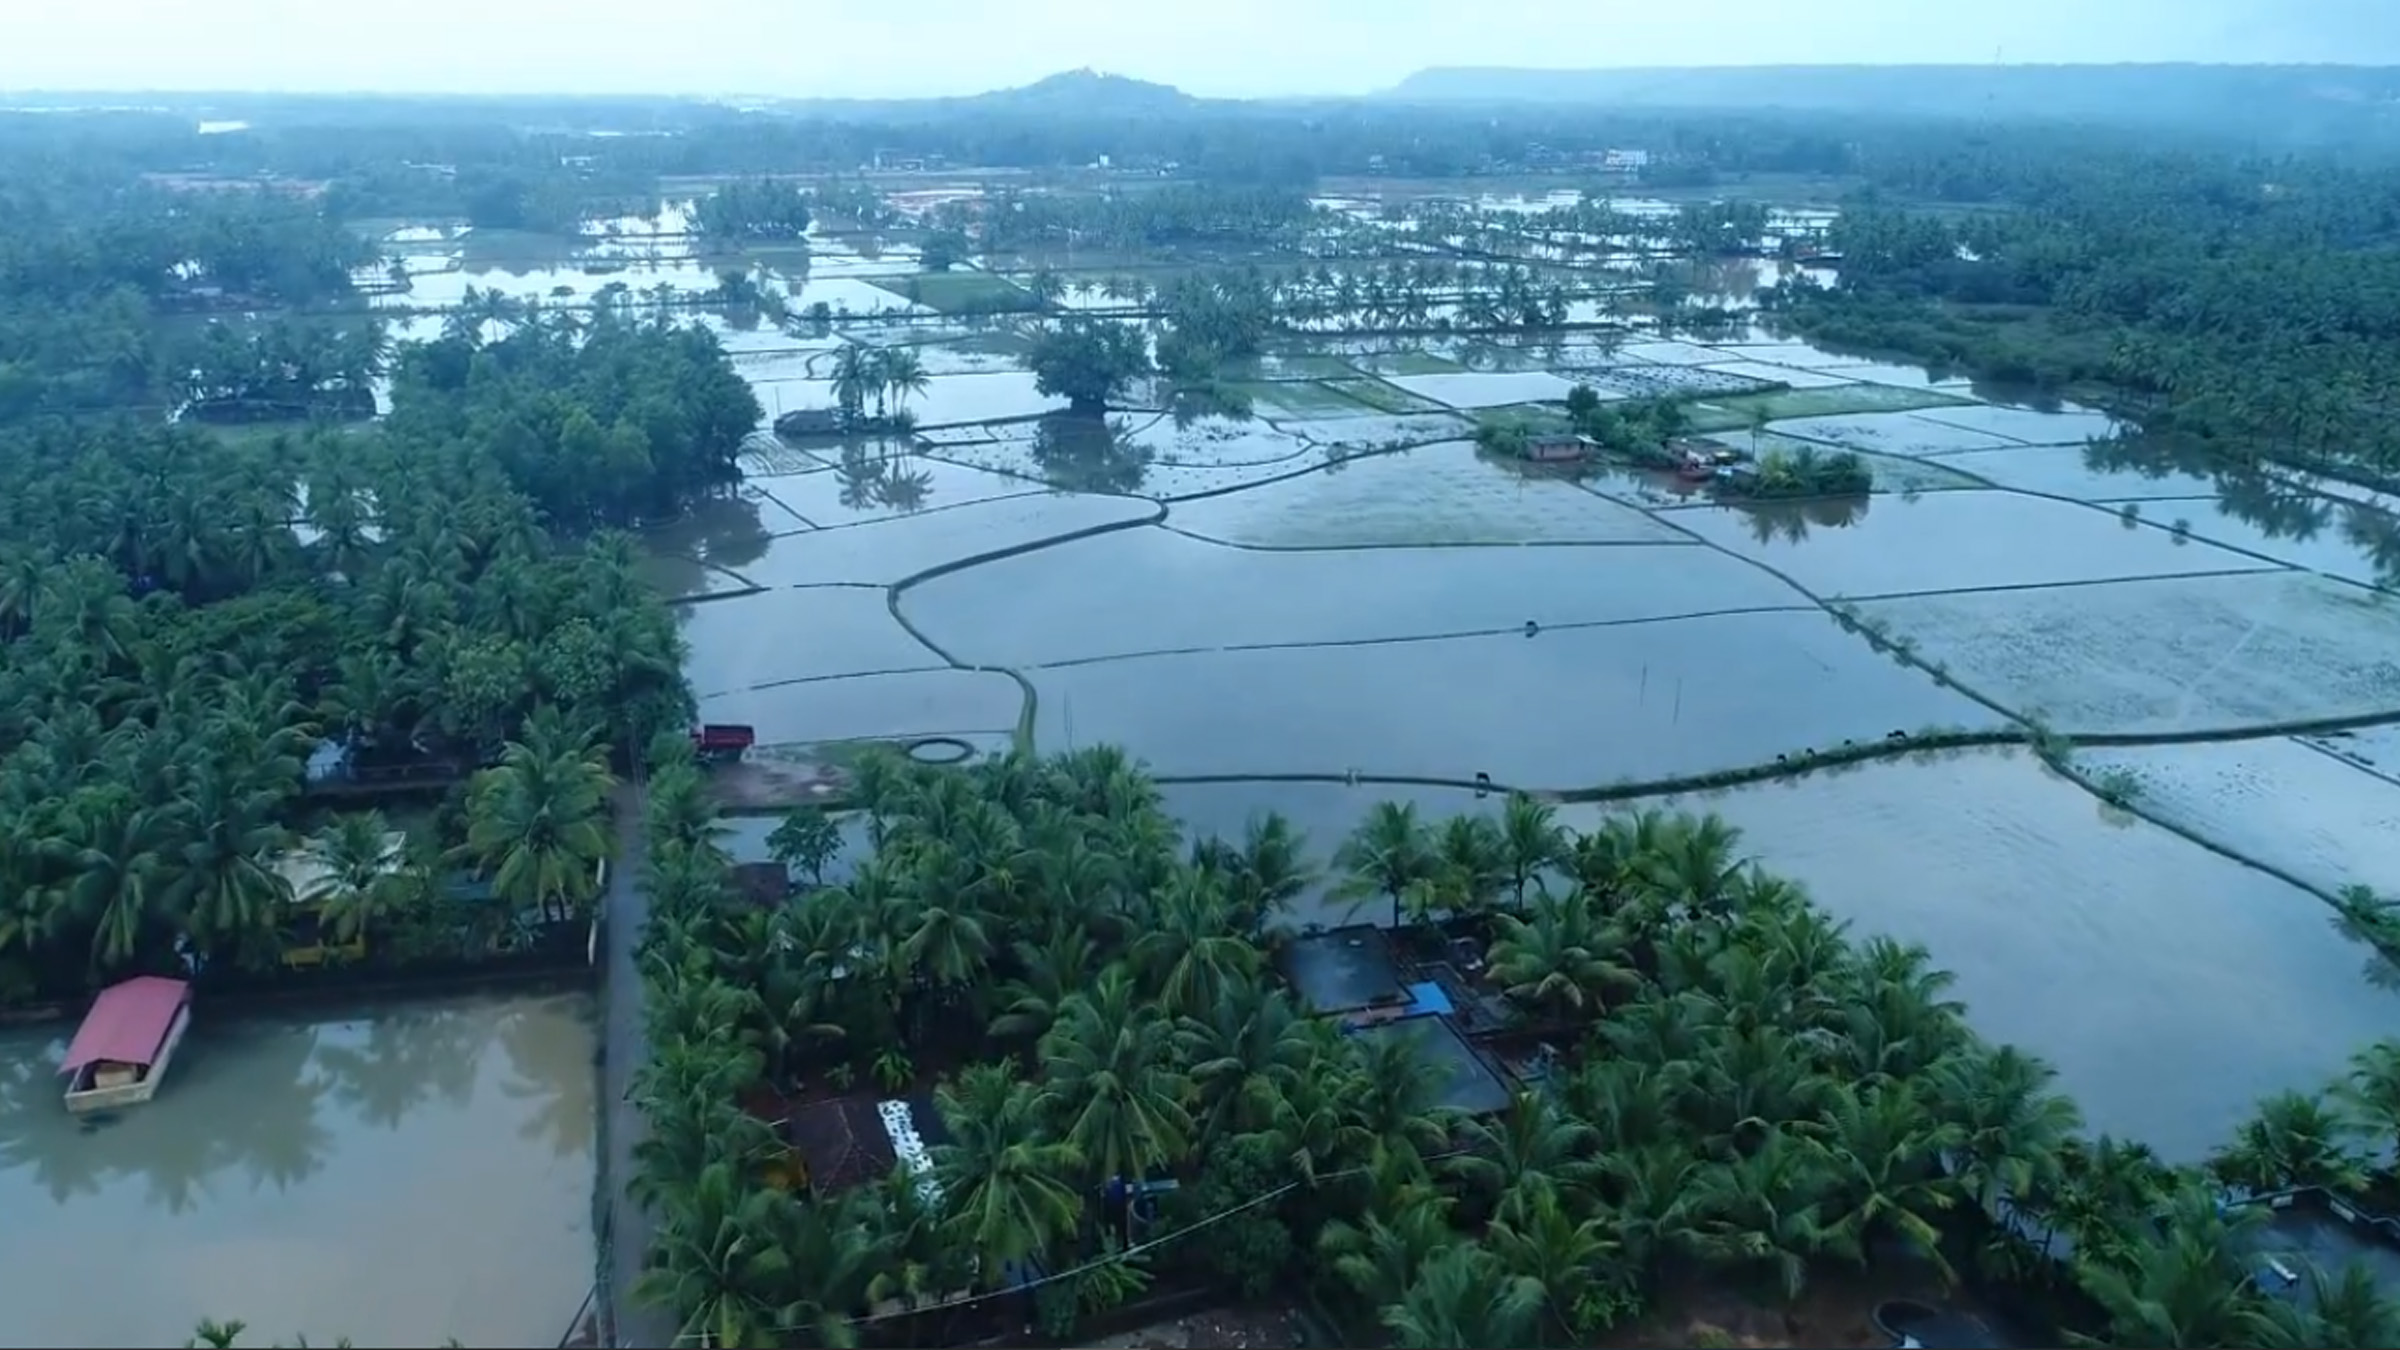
column 393, row 1175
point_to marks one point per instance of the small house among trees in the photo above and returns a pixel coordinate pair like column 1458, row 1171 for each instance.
column 1558, row 447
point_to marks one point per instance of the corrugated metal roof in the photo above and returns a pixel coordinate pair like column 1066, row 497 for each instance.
column 127, row 1023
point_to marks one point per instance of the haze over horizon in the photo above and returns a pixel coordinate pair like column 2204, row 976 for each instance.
column 1248, row 48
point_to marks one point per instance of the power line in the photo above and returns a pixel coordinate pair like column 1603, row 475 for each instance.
column 1096, row 1263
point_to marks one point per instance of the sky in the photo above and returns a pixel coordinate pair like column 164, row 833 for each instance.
column 1220, row 48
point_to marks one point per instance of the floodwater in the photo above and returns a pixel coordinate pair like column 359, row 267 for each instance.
column 1569, row 708
column 2292, row 806
column 1442, row 494
column 1953, row 541
column 393, row 1176
column 2179, row 654
column 1151, row 590
column 2171, row 987
column 1485, row 389
column 803, row 633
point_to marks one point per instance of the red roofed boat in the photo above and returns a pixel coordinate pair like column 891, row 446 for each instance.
column 125, row 1043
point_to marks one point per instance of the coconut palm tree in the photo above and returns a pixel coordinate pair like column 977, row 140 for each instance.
column 361, row 856
column 1006, row 1192
column 1463, row 1296
column 2295, row 1139
column 1531, row 842
column 537, row 822
column 1384, row 856
column 1110, row 1082
column 1561, row 960
column 2187, row 1285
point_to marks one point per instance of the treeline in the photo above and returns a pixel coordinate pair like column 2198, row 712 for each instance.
column 2251, row 304
column 89, row 275
column 598, row 418
column 184, row 619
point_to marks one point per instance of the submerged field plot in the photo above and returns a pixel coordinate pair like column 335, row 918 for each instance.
column 1143, row 591
column 2185, row 654
column 2290, row 805
column 1568, row 709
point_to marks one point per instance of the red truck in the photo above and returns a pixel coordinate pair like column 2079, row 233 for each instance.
column 723, row 740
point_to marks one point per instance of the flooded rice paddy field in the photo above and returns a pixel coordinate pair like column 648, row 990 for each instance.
column 1336, row 589
column 393, row 1176
column 1338, row 586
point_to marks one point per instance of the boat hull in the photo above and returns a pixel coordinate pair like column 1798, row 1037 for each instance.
column 83, row 1101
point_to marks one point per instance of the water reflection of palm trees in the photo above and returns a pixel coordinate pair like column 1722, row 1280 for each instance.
column 882, row 475
column 1791, row 520
column 2281, row 509
column 551, row 1054
column 1085, row 452
column 405, row 1058
column 245, row 1103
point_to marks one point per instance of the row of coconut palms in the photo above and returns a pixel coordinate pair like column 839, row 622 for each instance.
column 883, row 376
column 1737, row 1089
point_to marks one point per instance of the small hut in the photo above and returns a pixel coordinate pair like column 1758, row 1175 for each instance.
column 1558, row 447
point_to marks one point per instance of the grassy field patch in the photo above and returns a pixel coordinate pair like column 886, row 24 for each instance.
column 1725, row 414
column 1299, row 399
column 956, row 292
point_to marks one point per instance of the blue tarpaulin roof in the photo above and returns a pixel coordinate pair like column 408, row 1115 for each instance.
column 1428, row 999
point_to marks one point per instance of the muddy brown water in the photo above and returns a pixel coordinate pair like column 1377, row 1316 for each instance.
column 392, row 1174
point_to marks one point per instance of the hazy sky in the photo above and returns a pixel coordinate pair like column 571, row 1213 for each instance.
column 1214, row 47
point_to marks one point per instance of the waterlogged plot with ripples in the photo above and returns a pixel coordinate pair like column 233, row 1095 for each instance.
column 951, row 399
column 2178, row 655
column 1570, row 708
column 2172, row 987
column 1154, row 590
column 803, row 634
column 887, row 552
column 1890, row 433
column 1946, row 541
column 2067, row 426
column 1437, row 494
column 2285, row 803
column 1798, row 377
column 872, row 707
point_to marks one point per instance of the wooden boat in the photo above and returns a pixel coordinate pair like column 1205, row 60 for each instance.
column 126, row 1042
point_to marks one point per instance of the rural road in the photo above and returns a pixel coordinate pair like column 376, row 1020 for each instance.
column 626, row 1323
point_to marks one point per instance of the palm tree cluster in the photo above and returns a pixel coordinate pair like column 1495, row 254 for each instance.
column 600, row 419
column 183, row 618
column 883, row 376
column 280, row 368
column 1739, row 1090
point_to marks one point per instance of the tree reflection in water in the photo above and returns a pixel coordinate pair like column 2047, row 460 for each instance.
column 882, row 475
column 1791, row 519
column 1090, row 452
column 550, row 1050
column 241, row 1097
column 405, row 1058
column 2280, row 508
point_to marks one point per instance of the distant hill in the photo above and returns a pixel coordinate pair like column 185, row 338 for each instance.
column 1068, row 94
column 2271, row 102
